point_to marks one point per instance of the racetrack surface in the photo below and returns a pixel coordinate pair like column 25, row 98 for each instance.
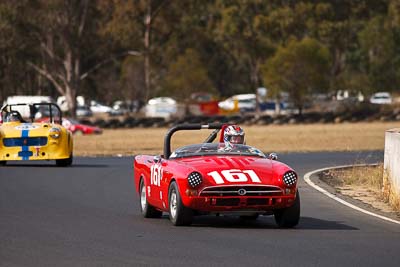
column 88, row 215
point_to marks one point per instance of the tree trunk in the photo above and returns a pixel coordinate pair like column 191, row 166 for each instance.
column 147, row 37
column 72, row 80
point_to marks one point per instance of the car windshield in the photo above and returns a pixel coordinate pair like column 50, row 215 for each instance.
column 207, row 149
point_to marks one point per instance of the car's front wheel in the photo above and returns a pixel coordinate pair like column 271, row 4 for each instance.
column 64, row 162
column 178, row 213
column 289, row 217
column 148, row 211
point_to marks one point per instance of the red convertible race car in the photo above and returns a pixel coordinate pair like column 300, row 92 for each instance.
column 208, row 178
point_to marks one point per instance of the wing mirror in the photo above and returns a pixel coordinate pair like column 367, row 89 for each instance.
column 273, row 156
column 157, row 159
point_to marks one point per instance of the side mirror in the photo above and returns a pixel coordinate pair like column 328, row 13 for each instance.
column 273, row 156
column 157, row 159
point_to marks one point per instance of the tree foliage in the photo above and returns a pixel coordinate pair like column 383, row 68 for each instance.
column 137, row 49
column 300, row 68
column 186, row 76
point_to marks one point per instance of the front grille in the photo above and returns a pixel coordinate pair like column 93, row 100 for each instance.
column 25, row 141
column 245, row 190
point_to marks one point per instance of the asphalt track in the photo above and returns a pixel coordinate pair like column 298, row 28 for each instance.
column 88, row 215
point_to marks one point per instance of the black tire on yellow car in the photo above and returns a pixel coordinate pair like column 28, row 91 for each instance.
column 64, row 162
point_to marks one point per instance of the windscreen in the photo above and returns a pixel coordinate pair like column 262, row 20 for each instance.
column 206, row 149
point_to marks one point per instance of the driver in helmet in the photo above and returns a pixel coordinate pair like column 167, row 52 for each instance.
column 13, row 117
column 233, row 135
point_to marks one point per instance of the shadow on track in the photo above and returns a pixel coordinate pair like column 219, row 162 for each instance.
column 264, row 222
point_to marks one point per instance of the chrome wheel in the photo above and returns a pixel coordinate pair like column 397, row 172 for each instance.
column 178, row 213
column 173, row 204
column 143, row 199
column 148, row 211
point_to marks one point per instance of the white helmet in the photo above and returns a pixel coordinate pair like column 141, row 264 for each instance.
column 233, row 134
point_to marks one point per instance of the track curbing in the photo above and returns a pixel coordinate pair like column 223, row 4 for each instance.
column 307, row 179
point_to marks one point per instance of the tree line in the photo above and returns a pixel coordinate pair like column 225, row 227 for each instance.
column 138, row 49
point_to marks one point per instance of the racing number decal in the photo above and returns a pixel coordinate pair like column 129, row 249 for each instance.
column 155, row 174
column 234, row 176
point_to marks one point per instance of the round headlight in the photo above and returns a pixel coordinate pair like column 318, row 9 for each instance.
column 55, row 132
column 194, row 179
column 290, row 178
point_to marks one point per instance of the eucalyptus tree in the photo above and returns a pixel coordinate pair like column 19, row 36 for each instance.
column 142, row 26
column 64, row 31
column 299, row 68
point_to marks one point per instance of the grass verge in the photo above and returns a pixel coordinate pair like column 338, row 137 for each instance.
column 367, row 184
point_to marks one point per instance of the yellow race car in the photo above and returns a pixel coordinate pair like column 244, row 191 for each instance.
column 24, row 137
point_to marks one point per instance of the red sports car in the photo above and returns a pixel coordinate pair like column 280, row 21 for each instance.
column 205, row 178
column 78, row 128
column 75, row 126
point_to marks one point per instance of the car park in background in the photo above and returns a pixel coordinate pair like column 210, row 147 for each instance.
column 203, row 104
column 97, row 107
column 164, row 107
column 349, row 95
column 241, row 102
column 83, row 111
column 381, row 98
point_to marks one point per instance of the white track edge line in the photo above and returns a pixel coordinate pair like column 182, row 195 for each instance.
column 323, row 191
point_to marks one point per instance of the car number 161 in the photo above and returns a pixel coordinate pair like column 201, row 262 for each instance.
column 156, row 174
column 234, row 176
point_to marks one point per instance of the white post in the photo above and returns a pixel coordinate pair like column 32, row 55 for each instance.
column 392, row 157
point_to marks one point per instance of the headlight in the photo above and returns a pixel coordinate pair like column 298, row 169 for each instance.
column 55, row 133
column 194, row 179
column 290, row 178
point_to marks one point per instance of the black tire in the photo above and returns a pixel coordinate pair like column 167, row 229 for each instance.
column 289, row 217
column 3, row 163
column 179, row 215
column 64, row 162
column 249, row 217
column 148, row 211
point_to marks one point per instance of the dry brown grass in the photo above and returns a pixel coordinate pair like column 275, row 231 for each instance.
column 366, row 183
column 370, row 176
column 269, row 138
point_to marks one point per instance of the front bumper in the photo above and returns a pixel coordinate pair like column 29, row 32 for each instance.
column 51, row 151
column 227, row 204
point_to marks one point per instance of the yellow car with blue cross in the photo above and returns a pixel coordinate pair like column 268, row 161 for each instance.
column 34, row 131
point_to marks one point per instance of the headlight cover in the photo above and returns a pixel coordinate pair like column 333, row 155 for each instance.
column 195, row 179
column 290, row 178
column 55, row 133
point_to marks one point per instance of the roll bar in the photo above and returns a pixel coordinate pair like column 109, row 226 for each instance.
column 33, row 108
column 190, row 126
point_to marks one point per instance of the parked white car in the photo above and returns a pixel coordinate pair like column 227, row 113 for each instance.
column 246, row 102
column 164, row 107
column 96, row 107
column 381, row 98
